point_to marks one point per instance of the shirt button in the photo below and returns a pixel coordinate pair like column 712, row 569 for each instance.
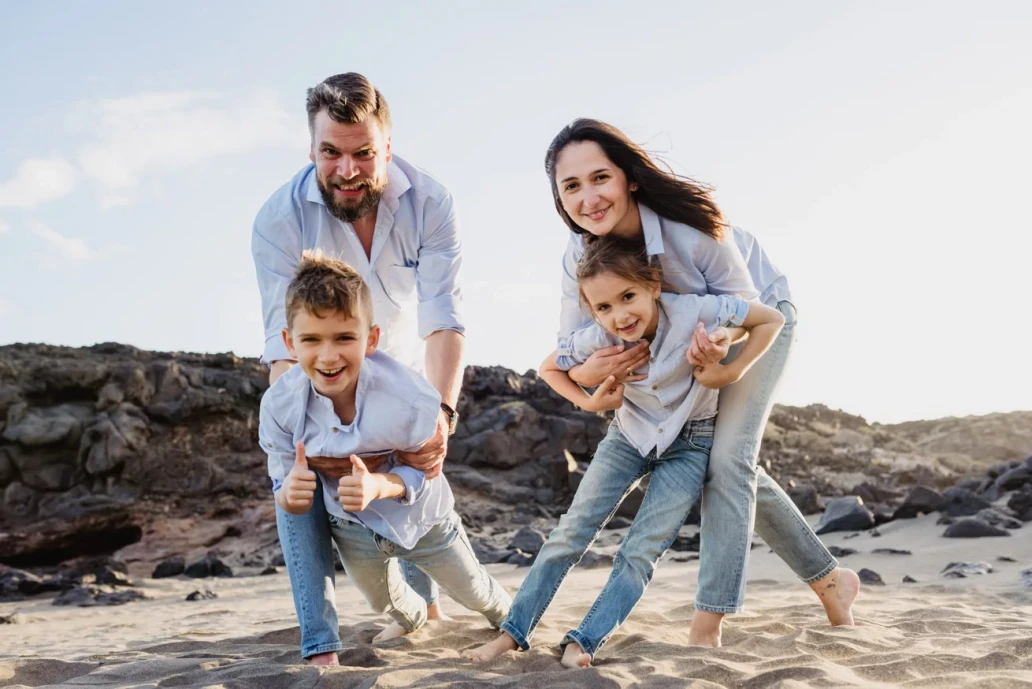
column 654, row 387
column 660, row 430
column 336, row 430
column 652, row 359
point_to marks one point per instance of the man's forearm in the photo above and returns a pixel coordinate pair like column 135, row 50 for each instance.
column 278, row 368
column 444, row 352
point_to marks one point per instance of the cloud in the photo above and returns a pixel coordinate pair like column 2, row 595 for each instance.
column 64, row 250
column 155, row 132
column 37, row 181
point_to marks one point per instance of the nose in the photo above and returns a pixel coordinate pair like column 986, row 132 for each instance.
column 347, row 168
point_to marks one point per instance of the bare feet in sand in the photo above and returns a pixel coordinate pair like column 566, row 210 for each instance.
column 705, row 629
column 489, row 651
column 574, row 657
column 435, row 614
column 324, row 659
column 837, row 592
column 392, row 631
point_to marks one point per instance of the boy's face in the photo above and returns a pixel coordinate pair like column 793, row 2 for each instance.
column 330, row 349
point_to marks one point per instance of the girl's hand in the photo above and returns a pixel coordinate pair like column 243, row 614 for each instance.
column 612, row 361
column 715, row 376
column 708, row 348
column 609, row 395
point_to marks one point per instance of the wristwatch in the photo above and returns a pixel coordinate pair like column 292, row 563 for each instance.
column 453, row 417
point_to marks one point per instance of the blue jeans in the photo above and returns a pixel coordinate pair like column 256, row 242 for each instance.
column 308, row 552
column 738, row 491
column 443, row 552
column 677, row 478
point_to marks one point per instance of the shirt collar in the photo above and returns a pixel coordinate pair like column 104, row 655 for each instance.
column 651, row 228
column 327, row 404
column 397, row 184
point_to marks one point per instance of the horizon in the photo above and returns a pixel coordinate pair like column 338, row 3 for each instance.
column 877, row 152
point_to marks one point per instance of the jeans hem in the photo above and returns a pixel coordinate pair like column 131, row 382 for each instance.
column 719, row 609
column 828, row 569
column 321, row 648
column 521, row 641
column 581, row 641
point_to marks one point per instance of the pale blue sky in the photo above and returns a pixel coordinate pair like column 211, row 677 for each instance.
column 878, row 150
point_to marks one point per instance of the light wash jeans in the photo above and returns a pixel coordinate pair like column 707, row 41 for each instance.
column 443, row 553
column 617, row 467
column 738, row 491
column 308, row 552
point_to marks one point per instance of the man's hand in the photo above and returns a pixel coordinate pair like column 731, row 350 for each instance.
column 608, row 395
column 708, row 348
column 331, row 467
column 430, row 457
column 612, row 361
column 298, row 490
column 715, row 376
column 359, row 488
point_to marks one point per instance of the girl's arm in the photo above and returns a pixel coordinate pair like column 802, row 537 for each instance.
column 608, row 395
column 762, row 325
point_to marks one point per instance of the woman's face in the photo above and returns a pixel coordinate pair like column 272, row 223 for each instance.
column 595, row 192
column 623, row 307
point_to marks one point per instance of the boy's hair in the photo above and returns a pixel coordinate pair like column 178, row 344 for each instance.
column 627, row 258
column 327, row 285
column 348, row 98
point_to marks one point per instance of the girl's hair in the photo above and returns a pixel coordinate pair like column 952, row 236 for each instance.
column 626, row 258
column 670, row 195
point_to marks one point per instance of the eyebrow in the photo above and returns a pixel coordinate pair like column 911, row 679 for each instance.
column 345, row 332
column 329, row 144
column 593, row 172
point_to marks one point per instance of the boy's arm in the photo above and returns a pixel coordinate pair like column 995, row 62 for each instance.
column 608, row 395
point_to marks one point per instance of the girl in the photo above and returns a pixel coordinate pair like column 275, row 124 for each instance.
column 663, row 425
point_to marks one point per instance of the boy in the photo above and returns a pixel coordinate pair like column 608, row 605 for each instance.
column 346, row 399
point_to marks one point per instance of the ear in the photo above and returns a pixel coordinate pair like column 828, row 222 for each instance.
column 633, row 186
column 387, row 147
column 655, row 289
column 373, row 341
column 289, row 342
column 311, row 151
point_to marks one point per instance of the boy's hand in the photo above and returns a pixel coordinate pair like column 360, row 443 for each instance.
column 358, row 489
column 608, row 395
column 708, row 348
column 298, row 489
column 715, row 376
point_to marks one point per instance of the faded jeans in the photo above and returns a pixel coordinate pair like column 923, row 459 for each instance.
column 443, row 552
column 617, row 467
column 738, row 491
column 308, row 552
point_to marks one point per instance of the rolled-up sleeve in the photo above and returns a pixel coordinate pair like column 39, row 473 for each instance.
column 415, row 483
column 277, row 442
column 438, row 270
column 582, row 344
column 276, row 249
column 723, row 310
column 572, row 316
column 723, row 267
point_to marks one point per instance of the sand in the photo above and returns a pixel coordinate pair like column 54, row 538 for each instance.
column 974, row 632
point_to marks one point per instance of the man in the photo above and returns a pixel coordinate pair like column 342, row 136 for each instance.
column 397, row 227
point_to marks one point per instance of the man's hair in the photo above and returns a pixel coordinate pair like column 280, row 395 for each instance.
column 324, row 285
column 348, row 98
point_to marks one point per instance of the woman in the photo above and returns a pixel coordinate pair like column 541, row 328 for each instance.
column 604, row 184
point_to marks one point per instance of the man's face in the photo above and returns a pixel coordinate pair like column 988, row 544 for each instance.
column 330, row 349
column 351, row 164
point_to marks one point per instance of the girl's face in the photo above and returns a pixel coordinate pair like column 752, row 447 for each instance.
column 623, row 307
column 595, row 192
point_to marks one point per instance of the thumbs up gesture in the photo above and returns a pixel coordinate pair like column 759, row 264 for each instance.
column 359, row 488
column 298, row 489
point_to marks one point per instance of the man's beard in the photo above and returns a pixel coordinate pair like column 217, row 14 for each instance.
column 351, row 212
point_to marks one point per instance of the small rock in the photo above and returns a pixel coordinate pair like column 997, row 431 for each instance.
column 592, row 560
column 945, row 520
column 619, row 523
column 973, row 528
column 845, row 514
column 1026, row 578
column 875, row 533
column 1005, row 558
column 278, row 560
column 171, row 567
column 907, row 579
column 89, row 596
column 806, row 499
column 1015, row 478
column 891, row 551
column 870, row 577
column 836, row 551
column 206, row 594
column 960, row 570
column 521, row 559
column 118, row 598
column 1021, row 503
column 528, row 540
column 997, row 518
column 210, row 566
column 921, row 500
column 15, row 618
column 270, row 570
column 686, row 544
column 958, row 502
column 847, row 536
column 488, row 554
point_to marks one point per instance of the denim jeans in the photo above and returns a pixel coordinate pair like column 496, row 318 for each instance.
column 308, row 552
column 676, row 481
column 444, row 553
column 738, row 491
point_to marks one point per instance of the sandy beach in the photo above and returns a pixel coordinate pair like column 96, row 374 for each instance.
column 972, row 632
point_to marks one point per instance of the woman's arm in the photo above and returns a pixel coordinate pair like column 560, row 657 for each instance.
column 609, row 394
column 763, row 325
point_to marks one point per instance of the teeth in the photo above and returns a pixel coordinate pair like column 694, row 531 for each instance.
column 330, row 374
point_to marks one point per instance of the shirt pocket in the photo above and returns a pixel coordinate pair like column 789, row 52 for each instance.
column 399, row 283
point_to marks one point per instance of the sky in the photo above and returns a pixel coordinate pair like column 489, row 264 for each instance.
column 879, row 151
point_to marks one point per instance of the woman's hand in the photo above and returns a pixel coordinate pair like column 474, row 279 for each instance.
column 715, row 376
column 608, row 395
column 612, row 361
column 708, row 348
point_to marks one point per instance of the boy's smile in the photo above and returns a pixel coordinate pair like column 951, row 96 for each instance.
column 330, row 349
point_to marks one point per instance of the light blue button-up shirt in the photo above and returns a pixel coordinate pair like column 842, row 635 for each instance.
column 412, row 270
column 692, row 262
column 396, row 409
column 657, row 408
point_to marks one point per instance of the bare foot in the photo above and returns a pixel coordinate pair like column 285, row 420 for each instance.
column 837, row 592
column 489, row 651
column 393, row 631
column 435, row 614
column 574, row 657
column 328, row 659
column 705, row 630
